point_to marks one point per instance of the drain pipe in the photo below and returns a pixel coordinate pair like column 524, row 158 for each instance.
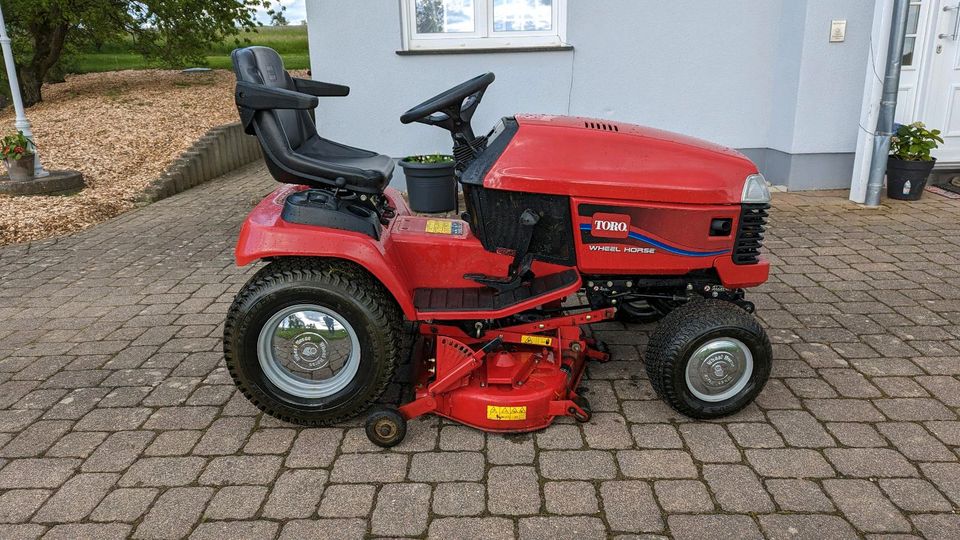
column 888, row 103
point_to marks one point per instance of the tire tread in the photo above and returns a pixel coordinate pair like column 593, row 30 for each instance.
column 345, row 275
column 682, row 326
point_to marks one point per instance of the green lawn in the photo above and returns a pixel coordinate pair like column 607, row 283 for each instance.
column 289, row 41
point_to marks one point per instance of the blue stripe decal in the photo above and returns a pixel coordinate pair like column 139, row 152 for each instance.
column 669, row 249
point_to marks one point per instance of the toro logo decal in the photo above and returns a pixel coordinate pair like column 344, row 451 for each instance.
column 610, row 225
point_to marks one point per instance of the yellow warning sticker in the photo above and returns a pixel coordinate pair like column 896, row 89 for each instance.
column 536, row 340
column 506, row 413
column 439, row 226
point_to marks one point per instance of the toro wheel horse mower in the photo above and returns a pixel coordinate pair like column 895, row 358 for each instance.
column 569, row 221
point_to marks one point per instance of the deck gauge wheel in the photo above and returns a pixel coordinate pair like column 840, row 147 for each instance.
column 584, row 413
column 385, row 427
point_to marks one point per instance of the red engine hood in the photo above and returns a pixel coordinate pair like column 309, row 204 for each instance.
column 586, row 157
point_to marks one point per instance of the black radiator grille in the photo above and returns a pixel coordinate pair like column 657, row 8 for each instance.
column 753, row 221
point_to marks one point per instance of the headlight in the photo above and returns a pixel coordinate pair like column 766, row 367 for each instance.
column 755, row 190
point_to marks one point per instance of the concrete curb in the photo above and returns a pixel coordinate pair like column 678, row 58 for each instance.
column 56, row 183
column 219, row 151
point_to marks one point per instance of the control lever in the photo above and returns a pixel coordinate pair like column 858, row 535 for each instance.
column 519, row 269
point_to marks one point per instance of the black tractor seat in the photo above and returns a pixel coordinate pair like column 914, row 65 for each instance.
column 275, row 107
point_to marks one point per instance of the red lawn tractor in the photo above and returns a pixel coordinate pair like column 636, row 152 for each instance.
column 568, row 222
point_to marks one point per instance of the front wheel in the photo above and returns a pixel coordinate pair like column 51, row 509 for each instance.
column 708, row 359
column 312, row 342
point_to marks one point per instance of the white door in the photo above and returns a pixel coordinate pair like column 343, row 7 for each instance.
column 941, row 109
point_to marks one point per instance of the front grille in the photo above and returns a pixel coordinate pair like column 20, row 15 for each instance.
column 753, row 221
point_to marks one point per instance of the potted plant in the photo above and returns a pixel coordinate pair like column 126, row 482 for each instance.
column 17, row 150
column 910, row 163
column 431, row 182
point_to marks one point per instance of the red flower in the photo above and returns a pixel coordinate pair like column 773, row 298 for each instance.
column 18, row 150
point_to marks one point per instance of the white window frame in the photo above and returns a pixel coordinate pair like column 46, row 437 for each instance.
column 483, row 37
column 917, row 36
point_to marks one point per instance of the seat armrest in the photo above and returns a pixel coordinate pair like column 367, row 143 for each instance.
column 258, row 97
column 320, row 89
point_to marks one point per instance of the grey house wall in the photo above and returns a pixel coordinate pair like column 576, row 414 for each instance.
column 758, row 75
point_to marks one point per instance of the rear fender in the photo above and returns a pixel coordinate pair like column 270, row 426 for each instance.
column 265, row 236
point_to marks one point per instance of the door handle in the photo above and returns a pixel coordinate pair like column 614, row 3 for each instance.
column 956, row 24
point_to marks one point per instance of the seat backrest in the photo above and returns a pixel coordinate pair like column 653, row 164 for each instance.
column 262, row 65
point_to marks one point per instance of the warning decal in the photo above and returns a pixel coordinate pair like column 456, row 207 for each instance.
column 506, row 413
column 536, row 340
column 439, row 226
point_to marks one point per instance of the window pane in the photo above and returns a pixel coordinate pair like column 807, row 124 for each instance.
column 908, row 45
column 913, row 19
column 522, row 15
column 445, row 16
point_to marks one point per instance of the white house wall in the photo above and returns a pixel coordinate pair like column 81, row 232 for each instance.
column 758, row 75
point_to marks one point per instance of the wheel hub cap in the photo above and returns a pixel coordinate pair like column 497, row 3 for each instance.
column 719, row 369
column 308, row 351
column 385, row 429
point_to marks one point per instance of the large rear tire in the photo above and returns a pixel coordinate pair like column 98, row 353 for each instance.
column 708, row 359
column 312, row 342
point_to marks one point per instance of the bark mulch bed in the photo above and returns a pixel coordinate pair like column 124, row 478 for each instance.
column 121, row 130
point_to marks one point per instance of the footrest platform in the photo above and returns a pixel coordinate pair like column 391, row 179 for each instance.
column 473, row 299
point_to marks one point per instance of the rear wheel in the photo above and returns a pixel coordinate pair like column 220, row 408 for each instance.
column 312, row 342
column 708, row 359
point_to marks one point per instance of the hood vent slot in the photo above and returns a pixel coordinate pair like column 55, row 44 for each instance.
column 601, row 126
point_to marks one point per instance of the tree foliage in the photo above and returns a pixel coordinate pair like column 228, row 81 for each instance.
column 173, row 31
column 278, row 17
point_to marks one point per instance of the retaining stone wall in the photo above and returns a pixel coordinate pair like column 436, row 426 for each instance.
column 219, row 151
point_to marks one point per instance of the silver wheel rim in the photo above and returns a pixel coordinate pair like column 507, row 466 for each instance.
column 719, row 369
column 308, row 351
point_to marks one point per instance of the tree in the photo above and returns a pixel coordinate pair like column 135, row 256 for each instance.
column 277, row 18
column 172, row 31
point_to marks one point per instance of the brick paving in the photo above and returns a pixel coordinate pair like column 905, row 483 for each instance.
column 118, row 419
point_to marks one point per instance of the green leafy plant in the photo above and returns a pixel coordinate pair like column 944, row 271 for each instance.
column 429, row 158
column 914, row 142
column 16, row 146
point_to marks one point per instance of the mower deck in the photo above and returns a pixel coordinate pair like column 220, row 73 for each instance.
column 512, row 379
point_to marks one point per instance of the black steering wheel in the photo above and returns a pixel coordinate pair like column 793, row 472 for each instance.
column 453, row 109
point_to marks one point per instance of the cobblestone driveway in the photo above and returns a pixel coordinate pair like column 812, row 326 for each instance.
column 118, row 419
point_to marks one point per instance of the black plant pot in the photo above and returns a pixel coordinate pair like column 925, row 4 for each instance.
column 906, row 179
column 432, row 187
